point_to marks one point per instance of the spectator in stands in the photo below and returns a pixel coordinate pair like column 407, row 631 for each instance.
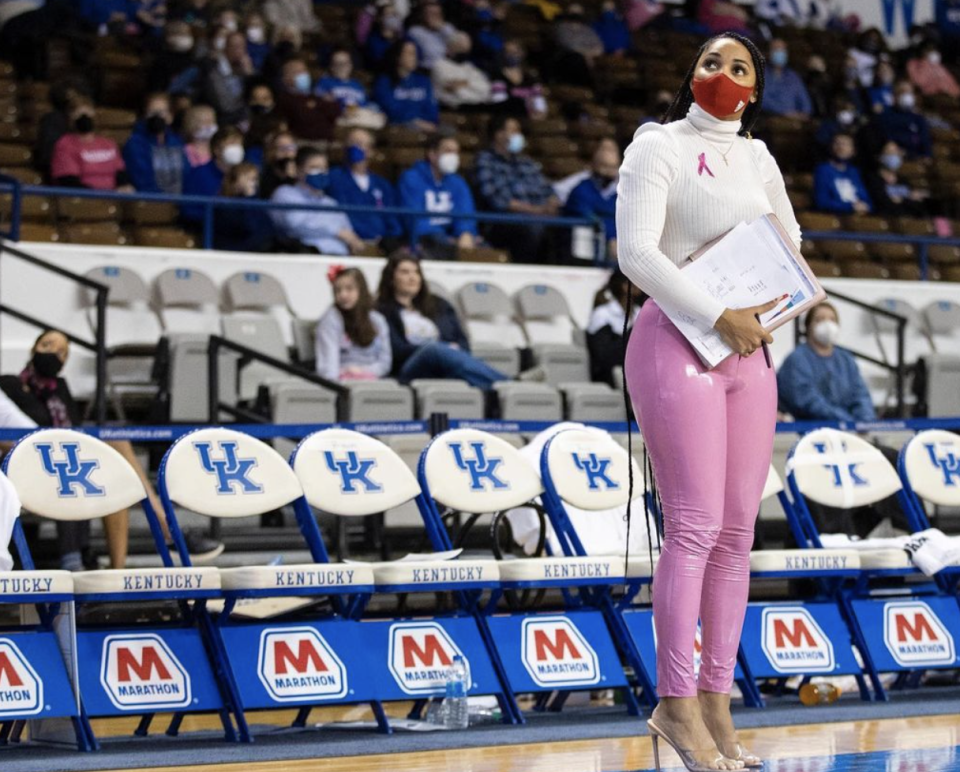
column 287, row 43
column 869, row 51
column 294, row 13
column 327, row 232
column 784, row 92
column 880, row 94
column 239, row 229
column 355, row 185
column 563, row 188
column 154, row 154
column 820, row 381
column 837, row 185
column 199, row 126
column 844, row 119
column 280, row 163
column 578, row 47
column 850, row 86
column 720, row 16
column 255, row 29
column 891, row 195
column 605, row 334
column 458, row 82
column 612, row 30
column 353, row 338
column 948, row 25
column 84, row 159
column 43, row 398
column 426, row 337
column 263, row 119
column 509, row 181
column 515, row 89
column 928, row 73
column 225, row 79
column 56, row 123
column 340, row 84
column 596, row 196
column 175, row 68
column 198, row 13
column 903, row 124
column 486, row 34
column 385, row 34
column 207, row 180
column 404, row 94
column 433, row 185
column 819, row 86
column 308, row 116
column 432, row 34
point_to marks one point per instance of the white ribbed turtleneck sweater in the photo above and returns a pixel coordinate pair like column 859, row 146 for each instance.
column 676, row 193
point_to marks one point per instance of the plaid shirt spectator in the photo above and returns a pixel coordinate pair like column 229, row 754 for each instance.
column 502, row 179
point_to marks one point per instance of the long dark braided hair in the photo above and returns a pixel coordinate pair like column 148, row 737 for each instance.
column 684, row 98
column 677, row 111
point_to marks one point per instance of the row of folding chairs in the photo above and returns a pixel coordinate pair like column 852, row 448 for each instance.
column 338, row 651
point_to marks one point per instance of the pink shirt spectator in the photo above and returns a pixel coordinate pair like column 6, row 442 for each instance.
column 197, row 154
column 932, row 78
column 94, row 161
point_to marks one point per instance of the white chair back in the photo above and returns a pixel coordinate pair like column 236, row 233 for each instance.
column 932, row 462
column 773, row 485
column 350, row 474
column 224, row 473
column 64, row 474
column 590, row 470
column 475, row 472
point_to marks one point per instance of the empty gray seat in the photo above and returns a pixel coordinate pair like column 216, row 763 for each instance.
column 187, row 301
column 521, row 401
column 942, row 324
column 563, row 363
column 593, row 402
column 383, row 400
column 299, row 402
column 189, row 381
column 545, row 315
column 489, row 316
column 256, row 291
column 505, row 359
column 455, row 398
column 260, row 332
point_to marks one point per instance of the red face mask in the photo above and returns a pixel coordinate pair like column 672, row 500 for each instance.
column 720, row 95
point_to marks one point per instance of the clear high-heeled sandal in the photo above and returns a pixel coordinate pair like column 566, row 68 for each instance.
column 750, row 760
column 687, row 757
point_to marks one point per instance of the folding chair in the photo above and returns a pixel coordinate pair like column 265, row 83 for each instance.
column 138, row 669
column 904, row 629
column 275, row 663
column 472, row 472
column 348, row 474
column 929, row 467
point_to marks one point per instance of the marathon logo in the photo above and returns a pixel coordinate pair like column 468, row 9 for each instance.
column 296, row 664
column 556, row 654
column 21, row 690
column 25, row 585
column 448, row 574
column 420, row 653
column 815, row 562
column 141, row 672
column 320, row 577
column 915, row 636
column 794, row 642
column 598, row 570
column 162, row 581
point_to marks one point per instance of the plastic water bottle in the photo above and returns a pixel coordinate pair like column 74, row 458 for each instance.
column 455, row 712
column 819, row 694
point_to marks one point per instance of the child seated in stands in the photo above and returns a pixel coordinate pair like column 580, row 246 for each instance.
column 353, row 340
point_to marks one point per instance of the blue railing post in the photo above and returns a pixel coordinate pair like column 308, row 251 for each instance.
column 924, row 260
column 208, row 225
column 16, row 211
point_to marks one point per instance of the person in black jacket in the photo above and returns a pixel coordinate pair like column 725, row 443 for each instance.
column 605, row 338
column 45, row 398
column 425, row 334
column 243, row 230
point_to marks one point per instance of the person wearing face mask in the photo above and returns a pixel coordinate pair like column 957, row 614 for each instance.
column 387, row 30
column 929, row 74
column 709, row 433
column 596, row 196
column 353, row 184
column 84, row 159
column 819, row 86
column 509, row 181
column 819, row 381
column 225, row 77
column 199, row 126
column 403, row 93
column 325, row 231
column 238, row 229
column 280, row 167
column 902, row 124
column 880, row 94
column 255, row 29
column 262, row 119
column 55, row 123
column 837, row 184
column 154, row 154
column 434, row 185
column 308, row 116
column 175, row 68
column 843, row 119
column 207, row 180
column 340, row 84
column 458, row 82
column 869, row 50
column 891, row 195
column 784, row 93
column 516, row 90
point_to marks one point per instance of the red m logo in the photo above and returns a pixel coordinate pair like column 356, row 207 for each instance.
column 432, row 649
column 307, row 657
column 921, row 627
column 8, row 673
column 127, row 661
column 562, row 642
column 799, row 636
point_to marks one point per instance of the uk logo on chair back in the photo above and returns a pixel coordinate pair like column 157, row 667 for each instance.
column 588, row 469
column 932, row 464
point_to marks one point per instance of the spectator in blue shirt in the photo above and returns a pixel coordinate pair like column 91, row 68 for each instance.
column 843, row 119
column 257, row 45
column 207, row 179
column 433, row 185
column 784, row 92
column 903, row 124
column 355, row 185
column 327, row 232
column 404, row 94
column 238, row 229
column 340, row 83
column 612, row 29
column 596, row 196
column 837, row 185
column 509, row 181
column 154, row 154
column 387, row 30
column 820, row 381
column 880, row 94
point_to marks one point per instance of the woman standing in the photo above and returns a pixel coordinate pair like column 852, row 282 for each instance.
column 709, row 432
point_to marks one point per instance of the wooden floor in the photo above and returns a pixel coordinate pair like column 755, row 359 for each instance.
column 781, row 745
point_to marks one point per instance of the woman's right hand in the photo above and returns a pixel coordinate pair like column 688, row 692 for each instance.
column 740, row 330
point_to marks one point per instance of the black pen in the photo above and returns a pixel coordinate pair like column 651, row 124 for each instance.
column 766, row 349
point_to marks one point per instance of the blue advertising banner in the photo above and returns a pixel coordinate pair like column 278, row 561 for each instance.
column 910, row 633
column 33, row 679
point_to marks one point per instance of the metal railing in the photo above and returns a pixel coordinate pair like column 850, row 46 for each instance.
column 99, row 345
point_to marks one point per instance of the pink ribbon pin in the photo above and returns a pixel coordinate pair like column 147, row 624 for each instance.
column 703, row 166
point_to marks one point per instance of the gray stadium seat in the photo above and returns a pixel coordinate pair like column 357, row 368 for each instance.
column 593, row 402
column 494, row 334
column 563, row 362
column 942, row 325
column 381, row 400
column 455, row 398
column 262, row 333
column 545, row 315
column 299, row 402
column 256, row 291
column 523, row 401
column 188, row 377
column 187, row 301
